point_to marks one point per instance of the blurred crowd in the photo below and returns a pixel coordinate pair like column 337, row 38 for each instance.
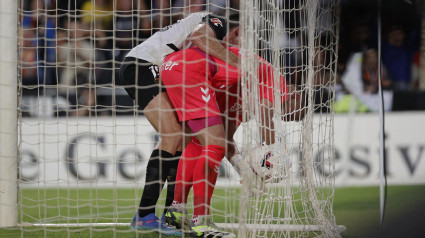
column 72, row 49
column 358, row 65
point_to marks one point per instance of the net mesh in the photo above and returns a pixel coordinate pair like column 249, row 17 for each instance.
column 300, row 40
column 84, row 145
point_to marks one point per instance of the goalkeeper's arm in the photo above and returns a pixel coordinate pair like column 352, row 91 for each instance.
column 293, row 109
column 204, row 38
column 267, row 124
column 295, row 106
column 232, row 153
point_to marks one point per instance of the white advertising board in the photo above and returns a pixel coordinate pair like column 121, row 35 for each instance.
column 86, row 152
column 357, row 148
column 113, row 152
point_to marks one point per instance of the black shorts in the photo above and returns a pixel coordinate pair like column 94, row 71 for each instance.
column 134, row 70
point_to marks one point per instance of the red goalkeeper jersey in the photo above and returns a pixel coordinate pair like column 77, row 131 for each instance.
column 188, row 76
column 200, row 85
column 228, row 89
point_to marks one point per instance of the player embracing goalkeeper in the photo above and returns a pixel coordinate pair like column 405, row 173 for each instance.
column 205, row 93
column 203, row 90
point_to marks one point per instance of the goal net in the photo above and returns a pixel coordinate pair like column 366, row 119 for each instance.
column 299, row 38
column 83, row 145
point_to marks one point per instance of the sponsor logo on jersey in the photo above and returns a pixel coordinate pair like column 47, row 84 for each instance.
column 216, row 22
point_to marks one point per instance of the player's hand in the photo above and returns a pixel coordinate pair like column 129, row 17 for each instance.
column 271, row 163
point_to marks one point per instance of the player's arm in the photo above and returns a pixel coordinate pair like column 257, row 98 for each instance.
column 232, row 153
column 205, row 39
column 266, row 96
column 230, row 127
column 266, row 120
column 293, row 109
column 295, row 106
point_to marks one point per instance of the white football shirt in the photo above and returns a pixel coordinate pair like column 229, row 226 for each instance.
column 155, row 48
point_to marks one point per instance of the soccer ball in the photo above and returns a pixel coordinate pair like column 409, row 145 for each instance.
column 266, row 164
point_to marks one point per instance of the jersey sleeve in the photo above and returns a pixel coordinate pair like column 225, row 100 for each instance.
column 217, row 24
column 266, row 83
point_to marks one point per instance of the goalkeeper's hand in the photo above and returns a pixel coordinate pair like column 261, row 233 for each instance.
column 270, row 163
column 253, row 180
column 241, row 166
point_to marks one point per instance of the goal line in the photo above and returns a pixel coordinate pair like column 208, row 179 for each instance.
column 250, row 227
column 70, row 152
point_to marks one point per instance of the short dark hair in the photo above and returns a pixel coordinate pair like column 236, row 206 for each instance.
column 397, row 28
column 233, row 20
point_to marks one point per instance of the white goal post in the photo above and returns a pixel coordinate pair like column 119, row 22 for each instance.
column 74, row 147
column 8, row 113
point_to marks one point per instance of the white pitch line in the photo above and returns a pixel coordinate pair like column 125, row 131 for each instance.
column 93, row 215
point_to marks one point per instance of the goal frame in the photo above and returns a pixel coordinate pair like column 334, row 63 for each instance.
column 9, row 137
column 8, row 113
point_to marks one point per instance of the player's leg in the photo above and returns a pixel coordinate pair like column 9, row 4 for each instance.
column 206, row 168
column 161, row 115
column 253, row 180
column 140, row 84
column 203, row 118
column 163, row 163
column 170, row 176
column 177, row 214
column 213, row 143
column 199, row 166
column 202, row 115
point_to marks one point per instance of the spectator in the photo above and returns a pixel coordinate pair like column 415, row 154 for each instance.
column 185, row 7
column 97, row 12
column 126, row 26
column 182, row 8
column 127, row 33
column 65, row 9
column 361, row 37
column 370, row 73
column 353, row 83
column 397, row 54
column 76, row 56
column 416, row 68
column 97, row 16
column 43, row 41
column 28, row 57
column 160, row 13
column 144, row 23
column 292, row 41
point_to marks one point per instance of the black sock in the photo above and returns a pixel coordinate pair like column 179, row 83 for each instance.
column 153, row 182
column 171, row 167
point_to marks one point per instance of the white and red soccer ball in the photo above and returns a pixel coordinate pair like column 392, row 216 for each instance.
column 270, row 167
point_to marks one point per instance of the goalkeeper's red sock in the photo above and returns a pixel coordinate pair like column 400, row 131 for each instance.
column 204, row 178
column 184, row 178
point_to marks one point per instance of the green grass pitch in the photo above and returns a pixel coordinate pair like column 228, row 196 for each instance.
column 357, row 208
